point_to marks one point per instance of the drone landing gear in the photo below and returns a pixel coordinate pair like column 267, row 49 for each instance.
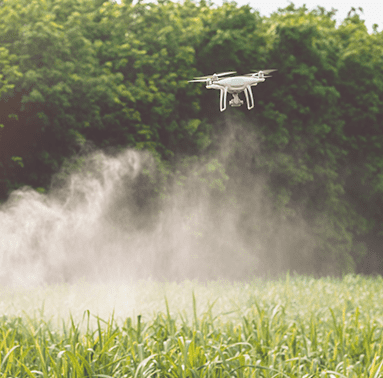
column 235, row 101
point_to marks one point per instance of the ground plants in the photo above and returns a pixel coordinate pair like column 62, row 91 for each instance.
column 291, row 327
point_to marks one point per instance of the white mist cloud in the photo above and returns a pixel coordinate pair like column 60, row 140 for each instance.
column 100, row 221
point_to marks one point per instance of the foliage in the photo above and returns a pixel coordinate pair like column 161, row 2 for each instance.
column 115, row 75
column 287, row 328
column 319, row 121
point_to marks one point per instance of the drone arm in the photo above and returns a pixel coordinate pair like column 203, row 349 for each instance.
column 248, row 93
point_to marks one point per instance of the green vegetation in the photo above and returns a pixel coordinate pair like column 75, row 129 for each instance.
column 295, row 327
column 81, row 73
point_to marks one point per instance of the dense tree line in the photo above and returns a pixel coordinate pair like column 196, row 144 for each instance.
column 79, row 71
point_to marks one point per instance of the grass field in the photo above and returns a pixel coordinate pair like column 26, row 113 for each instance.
column 292, row 327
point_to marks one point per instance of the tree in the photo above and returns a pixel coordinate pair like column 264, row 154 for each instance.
column 109, row 75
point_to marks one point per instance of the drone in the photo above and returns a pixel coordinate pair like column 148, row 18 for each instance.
column 234, row 85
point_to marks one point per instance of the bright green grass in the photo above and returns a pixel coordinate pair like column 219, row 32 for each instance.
column 295, row 327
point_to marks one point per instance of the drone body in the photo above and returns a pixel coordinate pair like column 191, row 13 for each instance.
column 234, row 85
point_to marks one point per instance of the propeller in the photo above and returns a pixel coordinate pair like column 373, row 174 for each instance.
column 200, row 79
column 210, row 76
column 264, row 72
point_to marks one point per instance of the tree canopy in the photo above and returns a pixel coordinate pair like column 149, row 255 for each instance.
column 74, row 72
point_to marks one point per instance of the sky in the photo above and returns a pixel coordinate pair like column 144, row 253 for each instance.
column 372, row 9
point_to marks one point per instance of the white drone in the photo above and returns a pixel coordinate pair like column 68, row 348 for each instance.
column 234, row 85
